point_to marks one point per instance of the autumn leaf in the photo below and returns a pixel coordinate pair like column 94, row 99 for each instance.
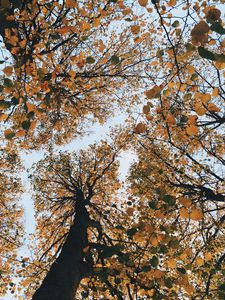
column 135, row 29
column 140, row 128
column 146, row 109
column 171, row 120
column 143, row 2
column 212, row 107
column 192, row 130
column 196, row 214
column 154, row 92
column 9, row 134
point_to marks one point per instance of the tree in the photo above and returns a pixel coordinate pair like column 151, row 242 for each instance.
column 78, row 195
column 10, row 217
column 68, row 67
column 164, row 237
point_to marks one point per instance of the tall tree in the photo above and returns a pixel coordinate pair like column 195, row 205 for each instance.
column 10, row 217
column 75, row 202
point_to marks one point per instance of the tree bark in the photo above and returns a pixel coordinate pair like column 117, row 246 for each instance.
column 63, row 278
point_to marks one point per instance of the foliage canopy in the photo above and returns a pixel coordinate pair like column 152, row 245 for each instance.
column 68, row 64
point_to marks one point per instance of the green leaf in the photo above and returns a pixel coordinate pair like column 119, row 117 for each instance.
column 2, row 61
column 128, row 19
column 175, row 24
column 15, row 101
column 117, row 280
column 154, row 261
column 7, row 82
column 163, row 249
column 169, row 200
column 152, row 204
column 146, row 268
column 84, row 295
column 210, row 55
column 124, row 258
column 90, row 60
column 115, row 59
column 9, row 135
column 159, row 53
column 168, row 282
column 217, row 27
column 5, row 104
column 110, row 251
column 131, row 232
column 26, row 124
column 220, row 57
column 181, row 270
column 204, row 53
column 55, row 36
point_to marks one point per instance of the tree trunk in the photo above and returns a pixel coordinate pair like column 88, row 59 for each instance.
column 64, row 276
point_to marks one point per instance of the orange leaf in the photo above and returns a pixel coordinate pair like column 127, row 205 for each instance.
column 143, row 2
column 184, row 214
column 3, row 117
column 192, row 130
column 171, row 120
column 185, row 201
column 154, row 92
column 8, row 71
column 135, row 29
column 196, row 214
column 140, row 128
column 212, row 107
column 146, row 109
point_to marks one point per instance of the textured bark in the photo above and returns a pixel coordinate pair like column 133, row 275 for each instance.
column 63, row 279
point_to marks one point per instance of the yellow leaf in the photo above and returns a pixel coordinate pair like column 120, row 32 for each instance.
column 199, row 261
column 143, row 2
column 185, row 201
column 172, row 263
column 208, row 256
column 196, row 214
column 205, row 98
column 33, row 125
column 30, row 107
column 171, row 84
column 190, row 69
column 199, row 108
column 189, row 289
column 215, row 92
column 184, row 214
column 154, row 241
column 140, row 128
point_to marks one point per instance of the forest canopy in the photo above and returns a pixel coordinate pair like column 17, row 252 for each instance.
column 71, row 64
